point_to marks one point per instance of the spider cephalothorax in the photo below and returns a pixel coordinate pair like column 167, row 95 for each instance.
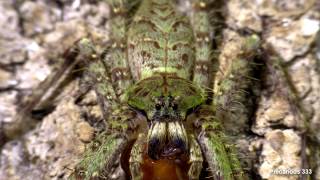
column 160, row 98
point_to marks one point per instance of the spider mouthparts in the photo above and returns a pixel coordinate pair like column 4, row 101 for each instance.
column 171, row 152
column 157, row 151
column 167, row 140
column 153, row 149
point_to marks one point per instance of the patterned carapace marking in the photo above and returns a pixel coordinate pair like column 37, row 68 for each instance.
column 160, row 41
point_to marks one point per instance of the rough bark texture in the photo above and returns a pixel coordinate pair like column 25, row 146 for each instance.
column 285, row 119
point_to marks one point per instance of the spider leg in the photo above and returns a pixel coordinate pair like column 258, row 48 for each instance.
column 112, row 73
column 99, row 77
column 203, row 43
column 97, row 158
column 115, row 58
column 111, row 77
column 218, row 152
column 136, row 158
column 221, row 157
column 230, row 98
column 101, row 154
column 195, row 160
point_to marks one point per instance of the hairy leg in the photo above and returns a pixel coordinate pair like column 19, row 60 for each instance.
column 101, row 154
column 115, row 57
column 111, row 76
column 195, row 160
column 218, row 152
column 230, row 98
column 203, row 37
column 221, row 156
column 136, row 158
column 232, row 95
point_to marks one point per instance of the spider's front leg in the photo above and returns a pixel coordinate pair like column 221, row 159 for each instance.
column 111, row 76
column 218, row 152
column 211, row 120
column 195, row 159
column 136, row 158
column 101, row 154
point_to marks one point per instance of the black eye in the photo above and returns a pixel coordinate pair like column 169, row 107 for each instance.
column 175, row 106
column 158, row 106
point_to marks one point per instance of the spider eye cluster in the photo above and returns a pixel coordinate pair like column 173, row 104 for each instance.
column 158, row 106
column 174, row 106
column 166, row 102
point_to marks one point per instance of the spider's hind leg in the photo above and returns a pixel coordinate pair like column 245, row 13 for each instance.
column 200, row 19
column 110, row 72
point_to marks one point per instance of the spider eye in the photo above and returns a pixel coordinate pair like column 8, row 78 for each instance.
column 175, row 106
column 158, row 106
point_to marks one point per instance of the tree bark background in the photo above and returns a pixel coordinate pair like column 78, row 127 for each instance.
column 284, row 125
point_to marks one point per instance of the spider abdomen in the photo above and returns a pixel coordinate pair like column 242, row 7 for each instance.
column 160, row 40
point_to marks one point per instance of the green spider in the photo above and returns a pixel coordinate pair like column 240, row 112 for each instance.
column 153, row 84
